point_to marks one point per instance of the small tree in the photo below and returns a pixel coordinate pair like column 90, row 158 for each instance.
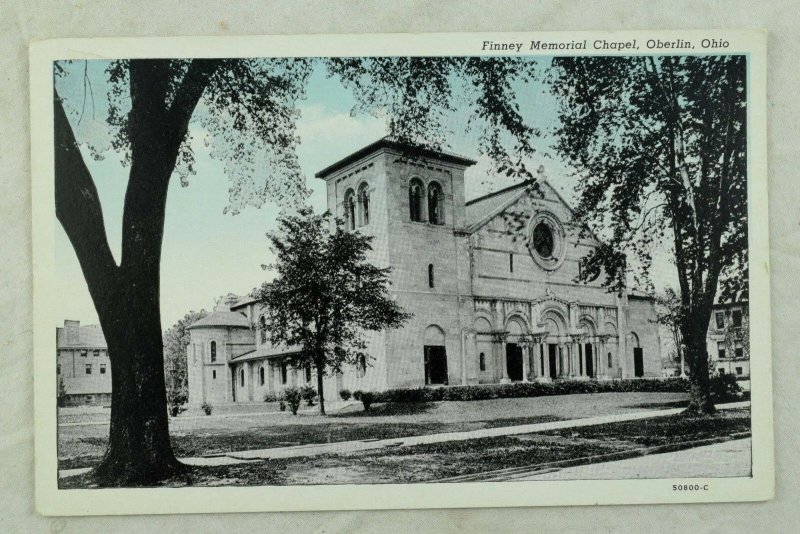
column 176, row 341
column 326, row 294
column 62, row 392
column 668, row 315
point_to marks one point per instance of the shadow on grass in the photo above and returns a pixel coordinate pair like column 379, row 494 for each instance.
column 664, row 405
column 388, row 409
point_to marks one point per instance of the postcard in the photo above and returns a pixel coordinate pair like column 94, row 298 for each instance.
column 340, row 272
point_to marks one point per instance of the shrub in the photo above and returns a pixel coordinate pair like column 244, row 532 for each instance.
column 270, row 397
column 176, row 398
column 724, row 387
column 293, row 396
column 526, row 389
column 207, row 408
column 357, row 394
column 62, row 393
column 367, row 398
column 345, row 394
column 282, row 405
column 309, row 394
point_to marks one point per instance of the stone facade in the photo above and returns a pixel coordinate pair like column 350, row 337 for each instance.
column 82, row 364
column 490, row 284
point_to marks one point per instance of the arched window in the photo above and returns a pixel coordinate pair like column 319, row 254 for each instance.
column 213, row 351
column 262, row 327
column 482, row 361
column 362, row 365
column 609, row 359
column 430, row 275
column 511, row 262
column 363, row 204
column 415, row 197
column 435, row 204
column 261, row 375
column 241, row 377
column 350, row 210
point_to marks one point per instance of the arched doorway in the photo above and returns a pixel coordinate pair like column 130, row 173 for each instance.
column 587, row 350
column 435, row 356
column 638, row 356
column 551, row 357
column 513, row 353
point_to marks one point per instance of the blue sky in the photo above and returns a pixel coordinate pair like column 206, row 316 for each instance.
column 206, row 253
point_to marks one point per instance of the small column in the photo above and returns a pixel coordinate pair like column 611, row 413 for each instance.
column 270, row 376
column 560, row 360
column 603, row 360
column 503, row 361
column 545, row 356
column 578, row 366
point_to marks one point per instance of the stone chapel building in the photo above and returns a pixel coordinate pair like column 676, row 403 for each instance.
column 489, row 283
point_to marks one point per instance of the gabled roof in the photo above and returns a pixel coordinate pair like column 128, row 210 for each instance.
column 89, row 336
column 222, row 318
column 483, row 208
column 384, row 142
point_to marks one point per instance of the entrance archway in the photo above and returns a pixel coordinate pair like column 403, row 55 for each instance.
column 435, row 356
column 638, row 356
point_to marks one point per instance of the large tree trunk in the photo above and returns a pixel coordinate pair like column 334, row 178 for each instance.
column 139, row 450
column 695, row 329
column 320, row 368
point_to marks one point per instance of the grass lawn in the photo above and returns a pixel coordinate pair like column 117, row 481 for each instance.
column 82, row 445
column 427, row 463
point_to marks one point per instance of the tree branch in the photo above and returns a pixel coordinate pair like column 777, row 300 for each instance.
column 79, row 211
column 192, row 87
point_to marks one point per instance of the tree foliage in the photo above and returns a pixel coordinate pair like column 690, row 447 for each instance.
column 659, row 148
column 326, row 294
column 176, row 342
column 668, row 315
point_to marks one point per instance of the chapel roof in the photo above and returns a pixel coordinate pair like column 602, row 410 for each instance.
column 479, row 208
column 406, row 148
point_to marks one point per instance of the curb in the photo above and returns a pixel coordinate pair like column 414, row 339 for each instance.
column 509, row 474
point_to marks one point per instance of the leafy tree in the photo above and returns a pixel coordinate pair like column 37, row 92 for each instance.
column 176, row 341
column 62, row 392
column 659, row 148
column 668, row 315
column 326, row 294
column 248, row 106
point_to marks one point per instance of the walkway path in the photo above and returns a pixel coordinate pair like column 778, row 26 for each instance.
column 315, row 449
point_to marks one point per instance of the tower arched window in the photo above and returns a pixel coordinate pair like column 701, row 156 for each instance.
column 415, row 198
column 350, row 210
column 262, row 328
column 363, row 204
column 261, row 375
column 435, row 204
column 213, row 351
column 430, row 275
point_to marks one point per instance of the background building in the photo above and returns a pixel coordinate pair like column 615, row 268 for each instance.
column 728, row 338
column 490, row 283
column 82, row 364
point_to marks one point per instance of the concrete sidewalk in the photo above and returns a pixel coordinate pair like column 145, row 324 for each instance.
column 726, row 459
column 341, row 447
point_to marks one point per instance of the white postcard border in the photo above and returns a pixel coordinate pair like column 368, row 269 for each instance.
column 52, row 501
